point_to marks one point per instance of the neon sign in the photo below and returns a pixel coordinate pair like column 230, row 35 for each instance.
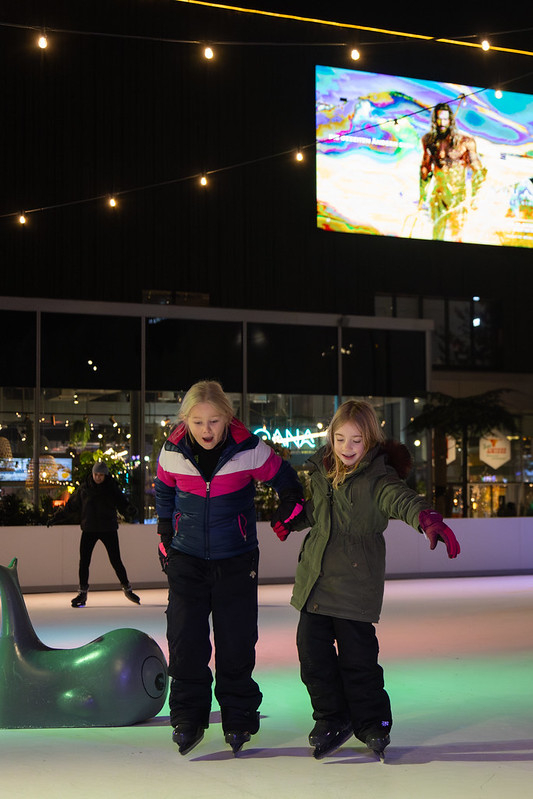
column 291, row 438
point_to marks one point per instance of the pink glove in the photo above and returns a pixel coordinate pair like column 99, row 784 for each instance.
column 279, row 524
column 281, row 531
column 435, row 530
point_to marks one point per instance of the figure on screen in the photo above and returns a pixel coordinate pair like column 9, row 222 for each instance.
column 451, row 159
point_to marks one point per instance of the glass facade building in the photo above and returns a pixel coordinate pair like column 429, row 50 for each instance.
column 84, row 380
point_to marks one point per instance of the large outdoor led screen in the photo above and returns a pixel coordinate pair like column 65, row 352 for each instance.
column 422, row 159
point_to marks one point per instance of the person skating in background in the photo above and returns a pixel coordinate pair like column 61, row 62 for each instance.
column 205, row 505
column 95, row 503
column 357, row 486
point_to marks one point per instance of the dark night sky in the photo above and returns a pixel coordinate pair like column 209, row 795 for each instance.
column 94, row 115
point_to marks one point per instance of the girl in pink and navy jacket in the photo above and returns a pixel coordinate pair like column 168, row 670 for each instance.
column 205, row 489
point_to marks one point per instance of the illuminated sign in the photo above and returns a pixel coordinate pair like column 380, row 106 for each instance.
column 494, row 449
column 291, row 438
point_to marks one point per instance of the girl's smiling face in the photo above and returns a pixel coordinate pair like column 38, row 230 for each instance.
column 348, row 444
column 206, row 425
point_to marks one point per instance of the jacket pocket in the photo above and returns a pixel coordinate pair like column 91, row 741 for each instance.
column 175, row 523
column 243, row 522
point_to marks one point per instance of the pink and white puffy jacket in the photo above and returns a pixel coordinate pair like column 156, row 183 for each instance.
column 216, row 519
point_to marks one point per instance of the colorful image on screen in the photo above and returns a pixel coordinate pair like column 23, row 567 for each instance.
column 51, row 470
column 423, row 159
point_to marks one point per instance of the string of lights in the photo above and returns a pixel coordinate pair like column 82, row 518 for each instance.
column 209, row 53
column 457, row 40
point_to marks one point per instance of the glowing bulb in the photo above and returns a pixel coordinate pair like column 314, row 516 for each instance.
column 112, row 202
column 42, row 42
column 208, row 53
column 417, row 442
column 498, row 94
column 22, row 219
column 299, row 156
column 355, row 54
column 485, row 45
column 203, row 180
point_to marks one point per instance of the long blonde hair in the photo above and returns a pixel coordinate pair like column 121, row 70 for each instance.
column 206, row 391
column 363, row 415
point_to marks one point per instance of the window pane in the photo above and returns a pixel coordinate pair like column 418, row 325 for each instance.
column 79, row 426
column 407, row 307
column 179, row 352
column 90, row 352
column 484, row 327
column 434, row 309
column 17, row 432
column 383, row 305
column 296, row 359
column 17, row 351
column 383, row 363
column 460, row 332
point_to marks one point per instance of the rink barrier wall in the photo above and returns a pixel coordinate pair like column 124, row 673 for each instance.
column 48, row 557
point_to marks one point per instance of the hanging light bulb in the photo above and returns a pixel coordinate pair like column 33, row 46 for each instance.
column 498, row 94
column 355, row 55
column 42, row 41
column 22, row 219
column 299, row 156
column 203, row 180
column 485, row 45
column 208, row 53
column 112, row 202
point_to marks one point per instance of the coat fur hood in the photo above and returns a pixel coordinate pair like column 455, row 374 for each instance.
column 397, row 456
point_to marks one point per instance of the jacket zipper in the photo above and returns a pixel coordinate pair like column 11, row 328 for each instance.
column 206, row 521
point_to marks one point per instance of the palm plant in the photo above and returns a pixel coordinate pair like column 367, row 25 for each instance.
column 465, row 418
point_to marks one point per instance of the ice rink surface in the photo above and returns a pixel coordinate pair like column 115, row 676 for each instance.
column 458, row 661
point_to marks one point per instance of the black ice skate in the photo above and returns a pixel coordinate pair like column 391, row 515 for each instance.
column 187, row 737
column 326, row 737
column 79, row 601
column 236, row 740
column 128, row 593
column 377, row 743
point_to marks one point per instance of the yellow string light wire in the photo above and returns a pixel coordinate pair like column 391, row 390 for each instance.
column 279, row 15
column 480, row 47
column 350, row 26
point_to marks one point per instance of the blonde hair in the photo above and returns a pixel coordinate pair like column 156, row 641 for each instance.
column 363, row 415
column 206, row 391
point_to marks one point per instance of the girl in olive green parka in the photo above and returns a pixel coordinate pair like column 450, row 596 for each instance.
column 357, row 485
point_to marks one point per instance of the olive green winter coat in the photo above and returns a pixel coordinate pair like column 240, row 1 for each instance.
column 341, row 566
